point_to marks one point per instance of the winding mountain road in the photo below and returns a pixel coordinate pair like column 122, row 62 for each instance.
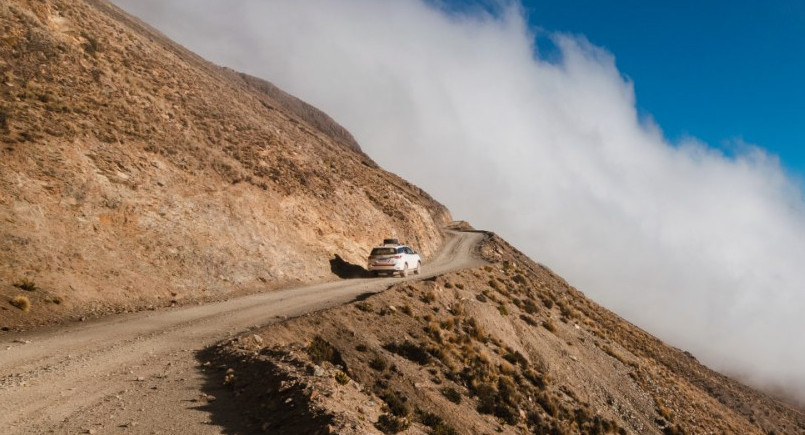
column 138, row 373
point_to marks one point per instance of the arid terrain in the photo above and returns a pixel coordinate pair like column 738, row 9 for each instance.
column 508, row 347
column 181, row 251
column 143, row 371
column 119, row 147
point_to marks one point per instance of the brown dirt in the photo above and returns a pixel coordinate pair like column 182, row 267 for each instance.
column 526, row 352
column 134, row 174
column 140, row 372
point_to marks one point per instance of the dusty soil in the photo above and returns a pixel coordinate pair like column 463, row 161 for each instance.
column 508, row 347
column 140, row 373
column 136, row 175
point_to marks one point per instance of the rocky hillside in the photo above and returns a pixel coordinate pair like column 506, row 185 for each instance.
column 134, row 174
column 506, row 348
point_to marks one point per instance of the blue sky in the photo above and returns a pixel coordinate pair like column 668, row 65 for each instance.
column 718, row 71
column 703, row 250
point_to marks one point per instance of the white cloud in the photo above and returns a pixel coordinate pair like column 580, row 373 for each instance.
column 701, row 249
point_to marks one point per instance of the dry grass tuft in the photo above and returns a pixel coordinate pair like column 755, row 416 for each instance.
column 341, row 377
column 21, row 302
column 320, row 350
column 26, row 284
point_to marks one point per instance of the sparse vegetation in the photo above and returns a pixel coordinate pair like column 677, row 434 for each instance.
column 341, row 377
column 436, row 424
column 377, row 363
column 4, row 116
column 390, row 424
column 528, row 319
column 320, row 350
column 21, row 302
column 410, row 351
column 396, row 403
column 452, row 394
column 56, row 300
column 26, row 284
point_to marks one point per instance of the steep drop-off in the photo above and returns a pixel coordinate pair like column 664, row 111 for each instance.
column 508, row 347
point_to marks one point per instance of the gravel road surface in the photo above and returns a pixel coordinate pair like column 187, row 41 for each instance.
column 138, row 373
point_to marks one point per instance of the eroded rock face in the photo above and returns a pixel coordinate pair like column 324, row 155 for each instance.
column 134, row 173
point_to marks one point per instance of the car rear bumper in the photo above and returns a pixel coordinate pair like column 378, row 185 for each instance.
column 385, row 267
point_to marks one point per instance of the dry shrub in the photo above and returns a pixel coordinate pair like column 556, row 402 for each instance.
column 548, row 324
column 457, row 309
column 320, row 350
column 390, row 424
column 341, row 377
column 21, row 302
column 396, row 403
column 528, row 319
column 452, row 394
column 378, row 363
column 410, row 351
column 26, row 284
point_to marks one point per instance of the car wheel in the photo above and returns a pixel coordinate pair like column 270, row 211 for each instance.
column 404, row 271
column 418, row 267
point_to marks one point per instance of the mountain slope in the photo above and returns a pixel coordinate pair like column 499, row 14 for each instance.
column 505, row 348
column 136, row 174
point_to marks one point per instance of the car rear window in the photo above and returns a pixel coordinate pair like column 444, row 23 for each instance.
column 383, row 251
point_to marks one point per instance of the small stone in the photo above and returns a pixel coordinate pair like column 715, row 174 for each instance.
column 257, row 339
column 21, row 341
column 140, row 379
column 318, row 371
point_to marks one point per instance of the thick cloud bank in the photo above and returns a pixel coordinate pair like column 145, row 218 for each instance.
column 704, row 250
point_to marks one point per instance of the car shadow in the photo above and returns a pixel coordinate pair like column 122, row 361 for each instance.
column 251, row 395
column 346, row 270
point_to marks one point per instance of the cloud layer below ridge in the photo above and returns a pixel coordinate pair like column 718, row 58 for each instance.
column 702, row 249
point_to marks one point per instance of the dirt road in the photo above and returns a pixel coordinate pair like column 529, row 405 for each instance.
column 138, row 373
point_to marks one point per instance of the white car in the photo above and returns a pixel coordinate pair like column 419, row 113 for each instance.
column 392, row 257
